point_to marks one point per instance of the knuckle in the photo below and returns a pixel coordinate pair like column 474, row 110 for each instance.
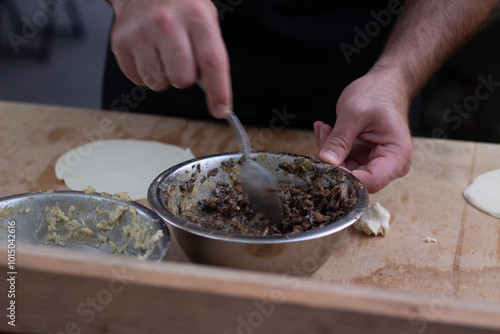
column 184, row 74
column 165, row 20
column 159, row 86
column 201, row 10
column 126, row 38
column 338, row 142
column 119, row 41
column 213, row 11
column 214, row 61
column 183, row 81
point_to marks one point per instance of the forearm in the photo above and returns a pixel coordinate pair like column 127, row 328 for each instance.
column 425, row 35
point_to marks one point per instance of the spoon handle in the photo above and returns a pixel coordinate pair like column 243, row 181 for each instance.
column 235, row 123
column 238, row 128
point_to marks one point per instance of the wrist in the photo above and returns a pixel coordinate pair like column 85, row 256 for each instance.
column 391, row 72
column 392, row 88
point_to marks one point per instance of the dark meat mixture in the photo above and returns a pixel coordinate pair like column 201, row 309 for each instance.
column 325, row 198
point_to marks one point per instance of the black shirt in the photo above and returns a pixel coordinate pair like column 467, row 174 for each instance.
column 295, row 56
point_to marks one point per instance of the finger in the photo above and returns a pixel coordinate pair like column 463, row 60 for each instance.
column 321, row 132
column 375, row 175
column 176, row 55
column 120, row 46
column 213, row 64
column 316, row 127
column 339, row 142
column 134, row 51
column 350, row 164
column 386, row 165
column 127, row 65
column 361, row 151
column 150, row 68
column 324, row 132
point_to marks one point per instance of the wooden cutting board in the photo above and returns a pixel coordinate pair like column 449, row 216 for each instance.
column 427, row 203
column 464, row 264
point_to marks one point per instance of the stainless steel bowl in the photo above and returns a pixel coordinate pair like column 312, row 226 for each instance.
column 27, row 213
column 301, row 253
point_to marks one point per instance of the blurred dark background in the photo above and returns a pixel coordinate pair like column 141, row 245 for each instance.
column 450, row 99
column 62, row 62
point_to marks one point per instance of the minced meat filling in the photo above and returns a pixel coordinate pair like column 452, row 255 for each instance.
column 324, row 197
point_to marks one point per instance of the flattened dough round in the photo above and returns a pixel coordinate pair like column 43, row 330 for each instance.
column 118, row 165
column 484, row 193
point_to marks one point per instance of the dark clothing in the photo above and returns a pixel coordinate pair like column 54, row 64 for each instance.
column 283, row 54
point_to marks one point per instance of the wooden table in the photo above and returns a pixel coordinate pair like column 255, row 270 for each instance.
column 398, row 283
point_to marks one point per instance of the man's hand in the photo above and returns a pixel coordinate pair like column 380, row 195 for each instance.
column 371, row 136
column 162, row 43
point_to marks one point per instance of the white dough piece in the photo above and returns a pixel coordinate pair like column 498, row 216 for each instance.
column 484, row 193
column 375, row 221
column 430, row 240
column 118, row 165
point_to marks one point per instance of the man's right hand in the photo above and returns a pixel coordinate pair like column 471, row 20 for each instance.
column 162, row 43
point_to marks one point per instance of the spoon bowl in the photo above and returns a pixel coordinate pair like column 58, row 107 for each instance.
column 258, row 182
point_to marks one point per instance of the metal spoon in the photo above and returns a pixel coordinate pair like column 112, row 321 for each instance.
column 258, row 181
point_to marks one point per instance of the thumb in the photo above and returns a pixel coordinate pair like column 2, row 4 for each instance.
column 337, row 146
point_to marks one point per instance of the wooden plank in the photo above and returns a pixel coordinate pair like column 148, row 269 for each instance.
column 33, row 136
column 30, row 147
column 429, row 202
column 108, row 294
column 478, row 254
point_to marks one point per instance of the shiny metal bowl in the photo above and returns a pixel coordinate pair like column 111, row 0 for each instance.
column 301, row 253
column 27, row 213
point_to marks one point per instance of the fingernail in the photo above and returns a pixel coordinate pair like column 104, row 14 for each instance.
column 330, row 157
column 221, row 111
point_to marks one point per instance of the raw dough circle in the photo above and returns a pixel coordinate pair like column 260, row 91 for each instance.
column 484, row 193
column 118, row 165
